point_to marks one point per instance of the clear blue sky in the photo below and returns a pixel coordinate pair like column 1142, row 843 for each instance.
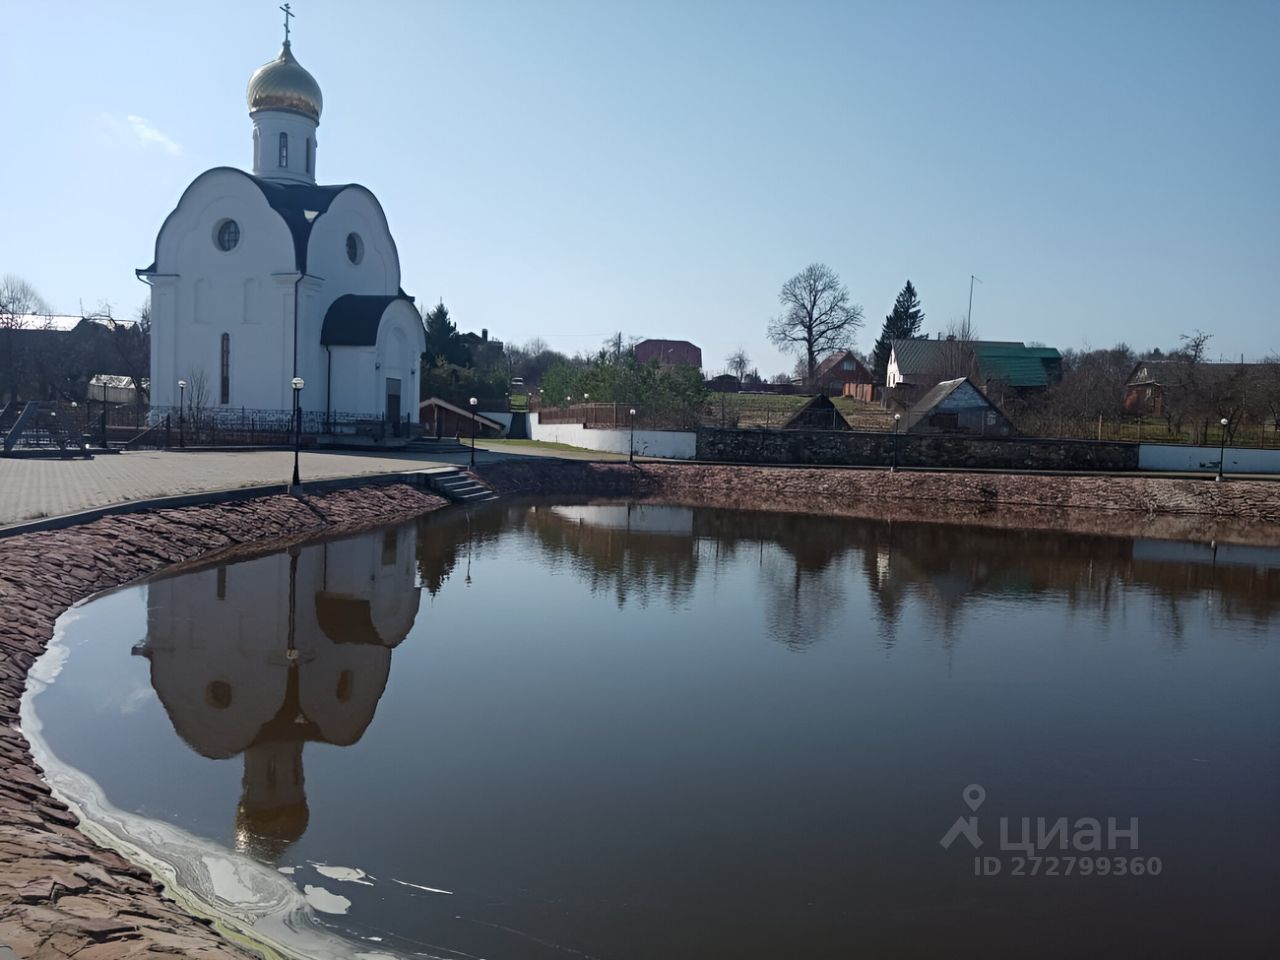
column 566, row 169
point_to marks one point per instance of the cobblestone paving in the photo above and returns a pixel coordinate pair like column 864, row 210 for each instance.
column 30, row 489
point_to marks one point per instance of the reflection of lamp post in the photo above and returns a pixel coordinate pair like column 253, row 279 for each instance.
column 473, row 432
column 182, row 409
column 894, row 465
column 297, row 383
column 631, row 455
column 1222, row 448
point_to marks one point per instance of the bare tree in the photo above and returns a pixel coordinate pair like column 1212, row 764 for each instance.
column 817, row 316
column 18, row 301
column 738, row 363
column 131, row 343
column 955, row 357
column 1267, row 393
column 197, row 394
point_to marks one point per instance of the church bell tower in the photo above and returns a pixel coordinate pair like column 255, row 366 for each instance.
column 284, row 104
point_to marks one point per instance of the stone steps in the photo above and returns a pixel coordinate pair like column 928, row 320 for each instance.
column 460, row 488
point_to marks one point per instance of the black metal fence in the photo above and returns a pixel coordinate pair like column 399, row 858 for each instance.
column 159, row 426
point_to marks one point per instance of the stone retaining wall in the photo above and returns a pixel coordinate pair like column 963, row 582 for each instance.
column 61, row 894
column 847, row 448
column 1238, row 511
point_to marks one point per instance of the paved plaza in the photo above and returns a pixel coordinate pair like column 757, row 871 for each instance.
column 33, row 489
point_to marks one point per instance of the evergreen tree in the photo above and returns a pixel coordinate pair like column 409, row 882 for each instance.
column 902, row 324
column 443, row 342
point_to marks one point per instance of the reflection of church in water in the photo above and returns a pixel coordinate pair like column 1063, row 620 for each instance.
column 260, row 657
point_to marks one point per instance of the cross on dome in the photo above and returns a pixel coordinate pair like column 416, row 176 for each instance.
column 287, row 15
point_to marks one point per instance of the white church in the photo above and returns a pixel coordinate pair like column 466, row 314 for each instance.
column 265, row 277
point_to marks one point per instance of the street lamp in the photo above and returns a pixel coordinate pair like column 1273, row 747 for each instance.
column 473, row 432
column 894, row 465
column 297, row 383
column 631, row 455
column 1222, row 448
column 182, row 410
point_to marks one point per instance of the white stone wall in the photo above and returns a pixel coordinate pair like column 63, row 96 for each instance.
column 674, row 444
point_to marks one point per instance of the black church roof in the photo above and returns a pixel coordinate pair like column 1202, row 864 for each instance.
column 352, row 320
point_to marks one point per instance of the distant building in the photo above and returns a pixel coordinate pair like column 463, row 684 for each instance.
column 1152, row 382
column 956, row 406
column 51, row 357
column 109, row 388
column 484, row 351
column 440, row 418
column 669, row 353
column 922, row 363
column 724, row 383
column 843, row 374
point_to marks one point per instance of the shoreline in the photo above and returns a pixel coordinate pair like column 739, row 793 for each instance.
column 60, row 891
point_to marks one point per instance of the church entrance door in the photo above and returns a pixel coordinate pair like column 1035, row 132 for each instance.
column 393, row 404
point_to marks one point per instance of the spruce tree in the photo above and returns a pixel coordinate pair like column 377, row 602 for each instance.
column 443, row 342
column 902, row 324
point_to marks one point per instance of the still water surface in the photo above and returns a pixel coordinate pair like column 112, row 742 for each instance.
column 549, row 731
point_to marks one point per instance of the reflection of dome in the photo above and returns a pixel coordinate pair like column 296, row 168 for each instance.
column 264, row 834
column 283, row 84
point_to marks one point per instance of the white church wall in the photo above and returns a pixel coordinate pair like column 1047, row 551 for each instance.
column 211, row 295
column 355, row 210
column 401, row 342
column 268, row 125
column 348, row 390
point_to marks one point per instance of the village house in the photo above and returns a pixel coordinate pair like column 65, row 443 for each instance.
column 842, row 374
column 915, row 366
column 956, row 406
column 669, row 353
column 1154, row 384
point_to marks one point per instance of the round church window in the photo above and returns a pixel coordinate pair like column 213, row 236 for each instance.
column 227, row 235
column 355, row 248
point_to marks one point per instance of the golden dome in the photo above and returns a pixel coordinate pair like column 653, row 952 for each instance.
column 283, row 84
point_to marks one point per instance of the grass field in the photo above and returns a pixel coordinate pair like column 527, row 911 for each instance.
column 773, row 410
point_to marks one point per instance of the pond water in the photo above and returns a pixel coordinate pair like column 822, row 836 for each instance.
column 545, row 730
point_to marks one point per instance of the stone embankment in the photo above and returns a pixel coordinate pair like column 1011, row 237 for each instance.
column 62, row 895
column 1245, row 511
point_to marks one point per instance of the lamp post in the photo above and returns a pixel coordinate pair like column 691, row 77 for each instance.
column 893, row 467
column 472, row 401
column 1222, row 448
column 631, row 454
column 297, row 383
column 182, row 412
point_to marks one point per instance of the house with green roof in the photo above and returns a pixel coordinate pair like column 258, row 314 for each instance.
column 917, row 365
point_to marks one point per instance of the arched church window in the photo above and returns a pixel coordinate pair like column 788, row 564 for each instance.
column 310, row 156
column 227, row 235
column 257, row 148
column 355, row 248
column 284, row 149
column 224, row 389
